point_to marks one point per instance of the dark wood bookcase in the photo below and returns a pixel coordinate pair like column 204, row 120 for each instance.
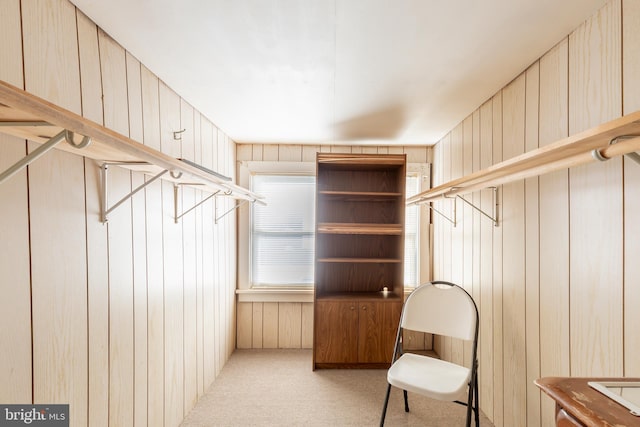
column 359, row 266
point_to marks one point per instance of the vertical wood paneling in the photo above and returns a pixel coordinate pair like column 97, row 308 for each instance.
column 189, row 256
column 596, row 269
column 554, row 225
column 172, row 268
column 270, row 153
column 475, row 244
column 56, row 199
column 49, row 36
column 155, row 277
column 121, row 346
column 289, row 325
column 218, row 263
column 57, row 220
column 307, row 325
column 270, row 325
column 136, row 131
column 230, row 260
column 467, row 211
column 97, row 252
column 116, row 116
column 90, row 73
column 498, row 348
column 11, row 35
column 245, row 320
column 256, row 323
column 457, row 254
column 257, row 152
column 631, row 96
column 15, row 306
column 140, row 311
column 486, row 267
column 532, row 251
column 513, row 229
column 415, row 154
column 98, row 293
column 199, row 309
column 244, row 152
column 208, row 257
column 290, row 153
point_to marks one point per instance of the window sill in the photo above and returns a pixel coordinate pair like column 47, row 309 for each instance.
column 284, row 294
column 275, row 295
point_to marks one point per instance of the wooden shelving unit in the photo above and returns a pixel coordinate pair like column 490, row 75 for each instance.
column 359, row 259
column 617, row 137
column 29, row 117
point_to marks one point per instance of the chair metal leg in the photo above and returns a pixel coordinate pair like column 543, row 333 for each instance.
column 406, row 401
column 471, row 396
column 472, row 402
column 477, row 402
column 384, row 408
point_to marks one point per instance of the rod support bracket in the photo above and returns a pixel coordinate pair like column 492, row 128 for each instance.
column 597, row 154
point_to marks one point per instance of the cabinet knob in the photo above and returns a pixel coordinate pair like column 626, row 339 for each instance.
column 364, row 307
column 353, row 308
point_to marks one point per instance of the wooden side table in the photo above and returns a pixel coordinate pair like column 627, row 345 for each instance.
column 578, row 404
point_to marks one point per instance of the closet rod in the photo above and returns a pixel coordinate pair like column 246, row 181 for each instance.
column 529, row 165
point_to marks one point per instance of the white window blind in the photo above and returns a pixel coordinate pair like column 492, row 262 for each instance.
column 282, row 233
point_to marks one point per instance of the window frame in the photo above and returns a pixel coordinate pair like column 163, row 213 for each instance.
column 245, row 289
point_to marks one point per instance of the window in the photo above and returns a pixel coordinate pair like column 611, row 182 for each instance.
column 282, row 232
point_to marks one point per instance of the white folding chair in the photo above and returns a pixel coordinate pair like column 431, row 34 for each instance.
column 446, row 309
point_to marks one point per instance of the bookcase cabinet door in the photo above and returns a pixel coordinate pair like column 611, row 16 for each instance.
column 336, row 333
column 378, row 326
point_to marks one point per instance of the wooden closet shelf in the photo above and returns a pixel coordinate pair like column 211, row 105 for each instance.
column 358, row 296
column 29, row 117
column 358, row 195
column 359, row 228
column 358, row 161
column 578, row 149
column 362, row 260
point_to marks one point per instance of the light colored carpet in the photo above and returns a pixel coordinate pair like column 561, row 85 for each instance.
column 279, row 388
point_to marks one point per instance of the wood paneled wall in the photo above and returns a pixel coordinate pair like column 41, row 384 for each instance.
column 557, row 281
column 129, row 322
column 290, row 324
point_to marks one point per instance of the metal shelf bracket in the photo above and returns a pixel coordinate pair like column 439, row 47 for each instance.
column 64, row 135
column 494, row 216
column 452, row 221
column 218, row 218
column 176, row 217
column 104, row 172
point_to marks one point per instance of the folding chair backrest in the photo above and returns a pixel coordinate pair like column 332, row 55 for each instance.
column 441, row 309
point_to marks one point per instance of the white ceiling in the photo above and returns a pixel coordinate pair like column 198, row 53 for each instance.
column 337, row 71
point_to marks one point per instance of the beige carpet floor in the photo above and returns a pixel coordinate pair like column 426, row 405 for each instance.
column 279, row 388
